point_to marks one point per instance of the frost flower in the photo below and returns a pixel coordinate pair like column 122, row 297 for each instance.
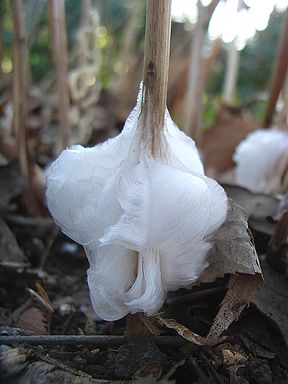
column 145, row 222
column 262, row 161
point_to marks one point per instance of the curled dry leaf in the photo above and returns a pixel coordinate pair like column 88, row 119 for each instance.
column 234, row 254
column 233, row 251
column 35, row 320
column 36, row 314
column 241, row 290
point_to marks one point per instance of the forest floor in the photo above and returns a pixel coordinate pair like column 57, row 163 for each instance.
column 43, row 291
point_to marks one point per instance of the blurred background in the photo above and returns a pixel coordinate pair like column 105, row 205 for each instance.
column 77, row 65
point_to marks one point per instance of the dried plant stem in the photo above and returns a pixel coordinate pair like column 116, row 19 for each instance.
column 155, row 72
column 231, row 73
column 211, row 59
column 20, row 84
column 278, row 74
column 155, row 83
column 56, row 13
column 193, row 102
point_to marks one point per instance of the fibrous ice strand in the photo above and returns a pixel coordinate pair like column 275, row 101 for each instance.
column 262, row 161
column 145, row 221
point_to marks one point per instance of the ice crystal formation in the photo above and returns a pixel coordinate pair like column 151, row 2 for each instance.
column 144, row 220
column 262, row 161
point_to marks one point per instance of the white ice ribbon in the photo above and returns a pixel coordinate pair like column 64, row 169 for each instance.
column 145, row 223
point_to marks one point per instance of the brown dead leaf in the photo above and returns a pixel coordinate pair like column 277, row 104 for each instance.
column 35, row 314
column 234, row 251
column 219, row 140
column 34, row 320
column 233, row 254
column 241, row 290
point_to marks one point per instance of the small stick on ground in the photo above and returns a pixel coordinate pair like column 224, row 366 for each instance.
column 57, row 26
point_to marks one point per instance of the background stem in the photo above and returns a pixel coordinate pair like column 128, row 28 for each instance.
column 56, row 14
column 193, row 99
column 20, row 84
column 278, row 74
column 231, row 73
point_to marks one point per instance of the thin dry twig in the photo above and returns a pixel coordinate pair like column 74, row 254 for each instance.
column 56, row 14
